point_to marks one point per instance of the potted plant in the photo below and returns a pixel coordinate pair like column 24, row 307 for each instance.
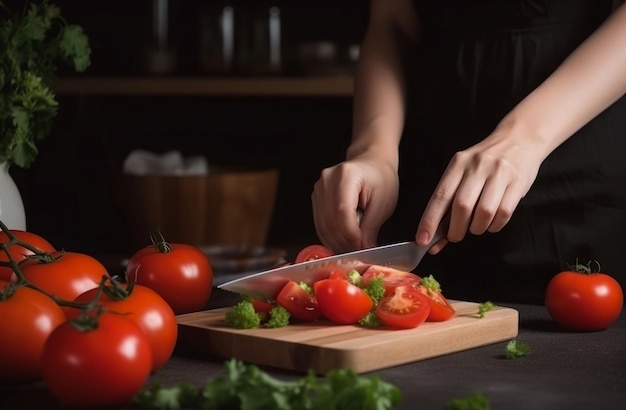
column 35, row 42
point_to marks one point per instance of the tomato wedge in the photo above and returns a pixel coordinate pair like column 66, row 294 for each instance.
column 342, row 302
column 263, row 307
column 300, row 304
column 312, row 252
column 440, row 309
column 405, row 309
column 392, row 278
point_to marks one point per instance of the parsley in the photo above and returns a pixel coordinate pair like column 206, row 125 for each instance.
column 484, row 308
column 33, row 43
column 279, row 317
column 430, row 283
column 370, row 320
column 515, row 349
column 243, row 316
column 375, row 289
column 475, row 401
column 248, row 387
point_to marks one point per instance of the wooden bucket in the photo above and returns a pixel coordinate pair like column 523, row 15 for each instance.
column 225, row 207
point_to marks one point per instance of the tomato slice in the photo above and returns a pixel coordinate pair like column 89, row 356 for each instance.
column 392, row 278
column 405, row 309
column 440, row 309
column 342, row 302
column 263, row 307
column 312, row 252
column 300, row 304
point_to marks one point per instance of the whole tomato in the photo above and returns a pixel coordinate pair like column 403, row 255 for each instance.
column 180, row 273
column 96, row 365
column 18, row 252
column 144, row 307
column 27, row 317
column 578, row 299
column 312, row 252
column 65, row 275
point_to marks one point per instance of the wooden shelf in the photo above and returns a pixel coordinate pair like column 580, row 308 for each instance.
column 331, row 86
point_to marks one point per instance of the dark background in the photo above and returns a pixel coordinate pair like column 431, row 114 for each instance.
column 68, row 192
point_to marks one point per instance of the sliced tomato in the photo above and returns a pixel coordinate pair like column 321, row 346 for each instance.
column 392, row 278
column 312, row 252
column 440, row 309
column 405, row 309
column 338, row 274
column 341, row 301
column 263, row 307
column 300, row 304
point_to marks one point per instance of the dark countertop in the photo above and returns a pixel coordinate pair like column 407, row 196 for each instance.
column 566, row 370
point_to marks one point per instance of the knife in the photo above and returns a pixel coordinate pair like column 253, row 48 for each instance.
column 267, row 284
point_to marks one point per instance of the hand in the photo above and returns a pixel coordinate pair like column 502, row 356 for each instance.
column 481, row 187
column 361, row 183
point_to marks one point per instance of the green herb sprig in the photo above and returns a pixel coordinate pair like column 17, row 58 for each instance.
column 34, row 42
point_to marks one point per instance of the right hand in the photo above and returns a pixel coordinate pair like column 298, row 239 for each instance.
column 360, row 183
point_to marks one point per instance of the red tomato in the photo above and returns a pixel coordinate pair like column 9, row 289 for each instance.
column 300, row 304
column 144, row 307
column 338, row 273
column 66, row 276
column 391, row 277
column 103, row 366
column 342, row 302
column 312, row 252
column 584, row 301
column 180, row 273
column 263, row 307
column 440, row 308
column 18, row 252
column 405, row 309
column 27, row 317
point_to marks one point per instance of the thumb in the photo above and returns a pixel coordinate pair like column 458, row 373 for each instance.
column 369, row 231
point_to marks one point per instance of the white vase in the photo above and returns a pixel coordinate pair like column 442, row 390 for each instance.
column 12, row 212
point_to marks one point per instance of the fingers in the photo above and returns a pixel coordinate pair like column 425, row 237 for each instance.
column 334, row 214
column 344, row 188
column 480, row 191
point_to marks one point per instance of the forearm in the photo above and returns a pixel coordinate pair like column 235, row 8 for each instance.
column 589, row 80
column 379, row 95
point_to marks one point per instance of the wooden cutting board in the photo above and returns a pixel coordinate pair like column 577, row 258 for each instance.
column 322, row 346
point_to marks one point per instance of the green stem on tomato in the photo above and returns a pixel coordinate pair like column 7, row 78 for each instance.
column 14, row 240
column 159, row 242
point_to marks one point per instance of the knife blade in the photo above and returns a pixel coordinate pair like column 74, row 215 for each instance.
column 267, row 284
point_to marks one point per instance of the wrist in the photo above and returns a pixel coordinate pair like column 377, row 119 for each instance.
column 380, row 151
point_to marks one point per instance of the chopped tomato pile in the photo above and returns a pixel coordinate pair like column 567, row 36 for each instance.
column 378, row 296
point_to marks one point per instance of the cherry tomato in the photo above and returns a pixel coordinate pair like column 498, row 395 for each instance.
column 342, row 302
column 580, row 300
column 263, row 307
column 338, row 273
column 103, row 366
column 27, row 317
column 405, row 309
column 18, row 252
column 180, row 273
column 440, row 308
column 300, row 304
column 144, row 307
column 66, row 276
column 312, row 252
column 391, row 277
